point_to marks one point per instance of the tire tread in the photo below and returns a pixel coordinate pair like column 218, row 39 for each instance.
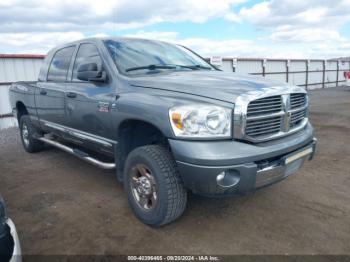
column 177, row 194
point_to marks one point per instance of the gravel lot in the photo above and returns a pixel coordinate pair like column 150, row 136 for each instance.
column 62, row 205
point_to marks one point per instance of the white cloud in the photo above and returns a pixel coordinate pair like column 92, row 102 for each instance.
column 42, row 42
column 156, row 35
column 295, row 28
column 36, row 42
column 258, row 48
column 304, row 28
column 305, row 35
column 91, row 15
column 203, row 46
column 257, row 13
column 37, row 25
column 299, row 20
column 232, row 17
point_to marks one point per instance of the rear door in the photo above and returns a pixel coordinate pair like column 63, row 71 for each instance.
column 88, row 103
column 50, row 96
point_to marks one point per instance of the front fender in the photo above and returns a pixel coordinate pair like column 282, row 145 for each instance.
column 143, row 107
column 152, row 106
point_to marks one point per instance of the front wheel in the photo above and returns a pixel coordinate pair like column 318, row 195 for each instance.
column 154, row 187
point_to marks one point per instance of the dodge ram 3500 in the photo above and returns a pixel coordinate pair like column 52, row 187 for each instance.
column 166, row 120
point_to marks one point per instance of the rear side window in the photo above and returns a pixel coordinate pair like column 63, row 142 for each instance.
column 60, row 64
column 87, row 53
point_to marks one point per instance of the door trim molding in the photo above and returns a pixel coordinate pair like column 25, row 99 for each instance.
column 80, row 134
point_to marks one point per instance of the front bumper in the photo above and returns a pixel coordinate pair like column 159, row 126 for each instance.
column 233, row 167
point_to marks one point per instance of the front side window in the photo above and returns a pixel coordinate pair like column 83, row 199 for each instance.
column 87, row 53
column 138, row 56
column 60, row 64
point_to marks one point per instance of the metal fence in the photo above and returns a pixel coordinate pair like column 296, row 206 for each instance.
column 307, row 73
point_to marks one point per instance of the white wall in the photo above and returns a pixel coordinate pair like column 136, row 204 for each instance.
column 12, row 70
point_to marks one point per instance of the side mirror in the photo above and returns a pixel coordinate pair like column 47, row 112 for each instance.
column 90, row 72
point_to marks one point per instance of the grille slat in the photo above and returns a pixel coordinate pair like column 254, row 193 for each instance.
column 265, row 103
column 257, row 124
column 262, row 112
column 296, row 117
column 264, row 128
column 256, row 107
column 254, row 127
column 265, row 132
column 297, row 104
column 298, row 113
column 297, row 100
column 265, row 115
column 266, row 100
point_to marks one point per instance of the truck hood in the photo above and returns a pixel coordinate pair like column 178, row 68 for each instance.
column 212, row 84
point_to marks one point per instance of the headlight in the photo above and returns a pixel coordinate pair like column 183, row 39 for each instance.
column 201, row 121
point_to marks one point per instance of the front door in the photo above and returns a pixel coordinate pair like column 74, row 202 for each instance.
column 88, row 103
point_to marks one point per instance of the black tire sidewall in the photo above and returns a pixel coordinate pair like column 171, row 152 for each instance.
column 158, row 214
column 34, row 145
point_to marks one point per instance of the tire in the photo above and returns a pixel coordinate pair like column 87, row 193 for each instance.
column 156, row 164
column 28, row 131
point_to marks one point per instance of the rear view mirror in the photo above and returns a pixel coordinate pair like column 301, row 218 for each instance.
column 90, row 72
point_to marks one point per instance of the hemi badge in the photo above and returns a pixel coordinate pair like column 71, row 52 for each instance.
column 103, row 107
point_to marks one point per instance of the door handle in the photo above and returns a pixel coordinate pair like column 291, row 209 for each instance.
column 71, row 95
column 43, row 92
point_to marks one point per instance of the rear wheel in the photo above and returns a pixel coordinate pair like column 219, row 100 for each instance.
column 154, row 187
column 28, row 132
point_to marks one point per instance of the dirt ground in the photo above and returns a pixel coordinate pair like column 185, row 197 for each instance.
column 62, row 205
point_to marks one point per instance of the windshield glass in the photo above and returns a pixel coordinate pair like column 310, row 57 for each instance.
column 139, row 56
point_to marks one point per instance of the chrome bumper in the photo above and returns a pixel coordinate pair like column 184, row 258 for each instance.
column 283, row 168
column 17, row 253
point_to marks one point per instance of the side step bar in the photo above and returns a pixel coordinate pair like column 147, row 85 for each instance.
column 78, row 153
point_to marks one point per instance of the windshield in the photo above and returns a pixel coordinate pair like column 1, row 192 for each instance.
column 141, row 56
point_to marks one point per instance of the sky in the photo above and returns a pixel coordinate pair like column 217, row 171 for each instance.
column 230, row 28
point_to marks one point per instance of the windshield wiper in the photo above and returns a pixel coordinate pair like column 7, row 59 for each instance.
column 199, row 67
column 167, row 66
column 150, row 67
column 193, row 67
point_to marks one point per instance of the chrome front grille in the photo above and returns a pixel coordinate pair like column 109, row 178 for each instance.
column 274, row 116
column 263, row 106
column 297, row 100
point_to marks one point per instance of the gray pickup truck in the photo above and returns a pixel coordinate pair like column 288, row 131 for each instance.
column 166, row 120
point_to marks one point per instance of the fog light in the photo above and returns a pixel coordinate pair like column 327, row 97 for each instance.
column 228, row 178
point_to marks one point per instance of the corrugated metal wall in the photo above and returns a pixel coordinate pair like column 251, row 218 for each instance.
column 307, row 73
column 19, row 69
column 15, row 68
